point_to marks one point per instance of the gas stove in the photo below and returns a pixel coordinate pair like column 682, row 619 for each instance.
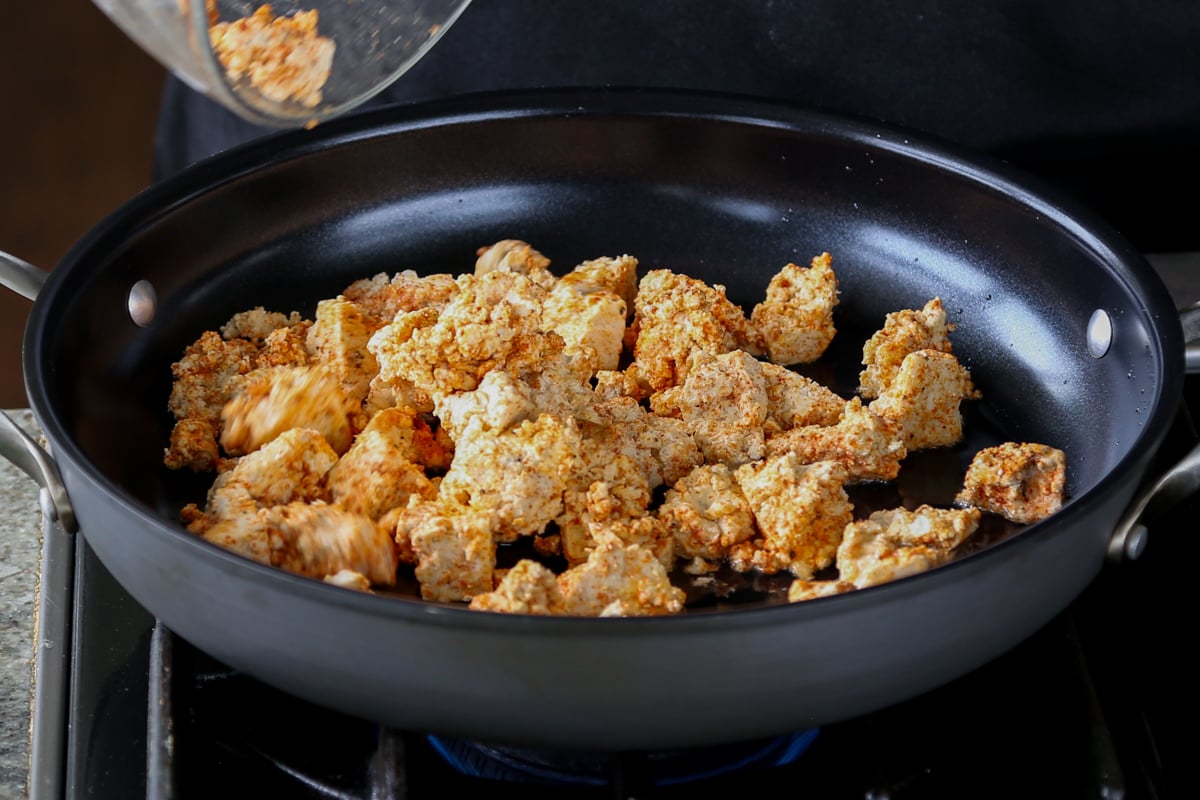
column 1095, row 704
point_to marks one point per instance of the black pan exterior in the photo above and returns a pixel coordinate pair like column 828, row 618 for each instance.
column 726, row 189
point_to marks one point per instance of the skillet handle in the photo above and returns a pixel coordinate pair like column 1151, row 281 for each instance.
column 18, row 447
column 22, row 277
column 1180, row 481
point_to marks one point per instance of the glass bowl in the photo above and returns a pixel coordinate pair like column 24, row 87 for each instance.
column 286, row 63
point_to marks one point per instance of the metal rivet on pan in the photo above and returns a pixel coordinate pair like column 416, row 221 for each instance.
column 143, row 303
column 1099, row 333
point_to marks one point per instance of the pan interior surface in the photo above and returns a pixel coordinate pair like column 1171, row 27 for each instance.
column 724, row 197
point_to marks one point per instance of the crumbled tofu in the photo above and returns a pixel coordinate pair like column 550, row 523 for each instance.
column 794, row 400
column 381, row 298
column 257, row 324
column 868, row 445
column 619, row 580
column 454, row 546
column 284, row 57
column 626, row 429
column 1021, row 481
column 707, row 513
column 513, row 255
column 895, row 543
column 238, row 527
column 614, row 383
column 527, row 588
column 605, row 486
column 924, row 400
column 662, row 447
column 285, row 347
column 561, row 383
column 272, row 401
column 349, row 579
column 193, row 446
column 338, row 340
column 617, row 275
column 723, row 401
column 674, row 316
column 517, row 475
column 592, row 317
column 293, row 466
column 646, row 531
column 210, row 372
column 380, row 470
column 800, row 510
column 317, row 539
column 800, row 590
column 905, row 331
column 796, row 317
column 494, row 321
column 390, row 387
column 499, row 402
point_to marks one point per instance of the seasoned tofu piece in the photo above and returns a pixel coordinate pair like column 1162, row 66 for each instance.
column 381, row 469
column 587, row 316
column 237, row 525
column 674, row 316
column 514, row 255
column 338, row 340
column 662, row 447
column 905, row 331
column 499, row 402
column 617, row 383
column 454, row 548
column 193, row 446
column 1021, row 481
column 276, row 400
column 517, row 475
column 619, row 579
column 258, row 323
column 605, row 486
column 707, row 513
column 868, row 445
column 800, row 590
column 800, row 510
column 645, row 530
column 494, row 321
column 291, row 467
column 349, row 579
column 794, row 400
column 210, row 372
column 390, row 387
column 527, row 588
column 617, row 275
column 561, row 383
column 723, row 401
column 381, row 298
column 895, row 543
column 796, row 317
column 317, row 539
column 285, row 347
column 924, row 400
column 282, row 56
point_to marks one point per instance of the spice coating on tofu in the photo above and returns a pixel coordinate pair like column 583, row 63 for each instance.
column 586, row 445
column 796, row 318
column 1021, row 481
column 283, row 57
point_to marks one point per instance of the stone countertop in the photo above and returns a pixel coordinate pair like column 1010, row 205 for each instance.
column 20, row 553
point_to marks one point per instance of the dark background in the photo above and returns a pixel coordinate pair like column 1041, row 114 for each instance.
column 76, row 138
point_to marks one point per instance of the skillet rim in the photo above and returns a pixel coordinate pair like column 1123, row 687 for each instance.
column 1110, row 248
